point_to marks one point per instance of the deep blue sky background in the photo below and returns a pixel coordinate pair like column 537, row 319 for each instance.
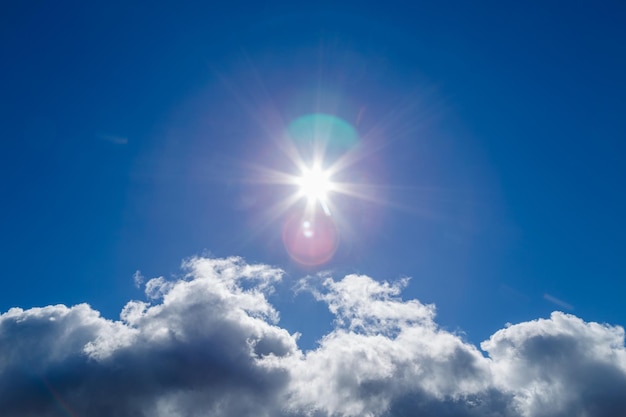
column 126, row 132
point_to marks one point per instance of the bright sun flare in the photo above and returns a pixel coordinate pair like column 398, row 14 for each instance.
column 315, row 184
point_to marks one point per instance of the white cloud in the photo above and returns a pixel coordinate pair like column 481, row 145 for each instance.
column 138, row 278
column 561, row 366
column 210, row 343
column 382, row 351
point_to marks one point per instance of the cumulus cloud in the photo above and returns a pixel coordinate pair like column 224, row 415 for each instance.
column 561, row 366
column 210, row 343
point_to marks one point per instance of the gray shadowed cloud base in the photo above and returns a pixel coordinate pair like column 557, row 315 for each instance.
column 210, row 344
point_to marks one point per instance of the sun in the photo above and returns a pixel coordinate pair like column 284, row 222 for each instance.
column 315, row 184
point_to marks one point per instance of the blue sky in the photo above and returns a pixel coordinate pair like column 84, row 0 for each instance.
column 490, row 143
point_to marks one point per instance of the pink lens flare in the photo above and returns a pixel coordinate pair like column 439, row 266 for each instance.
column 310, row 237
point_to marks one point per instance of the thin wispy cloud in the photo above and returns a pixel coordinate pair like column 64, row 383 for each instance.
column 114, row 139
column 210, row 343
column 138, row 278
column 558, row 302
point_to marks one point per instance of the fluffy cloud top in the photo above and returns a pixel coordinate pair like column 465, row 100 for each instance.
column 210, row 344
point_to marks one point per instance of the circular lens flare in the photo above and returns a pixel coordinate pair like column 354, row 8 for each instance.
column 311, row 239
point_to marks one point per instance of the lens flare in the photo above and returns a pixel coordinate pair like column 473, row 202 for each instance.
column 323, row 131
column 311, row 239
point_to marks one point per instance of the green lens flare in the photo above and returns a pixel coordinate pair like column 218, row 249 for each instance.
column 331, row 132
